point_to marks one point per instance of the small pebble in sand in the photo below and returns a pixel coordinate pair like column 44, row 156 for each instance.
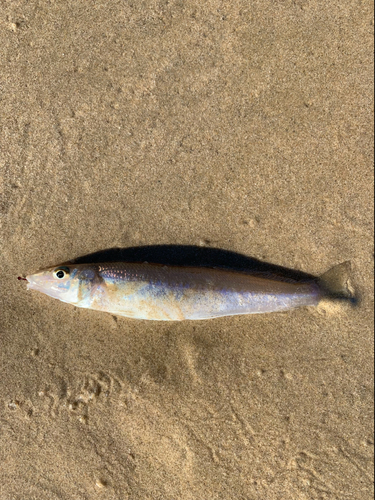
column 101, row 483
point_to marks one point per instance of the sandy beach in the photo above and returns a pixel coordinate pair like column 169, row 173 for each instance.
column 240, row 126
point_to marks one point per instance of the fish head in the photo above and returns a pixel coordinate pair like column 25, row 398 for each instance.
column 62, row 282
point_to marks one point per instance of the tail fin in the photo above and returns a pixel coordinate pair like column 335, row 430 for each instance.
column 335, row 283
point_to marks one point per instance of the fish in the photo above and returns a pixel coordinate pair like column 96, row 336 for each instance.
column 174, row 293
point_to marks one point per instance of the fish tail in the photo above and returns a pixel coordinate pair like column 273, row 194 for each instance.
column 335, row 283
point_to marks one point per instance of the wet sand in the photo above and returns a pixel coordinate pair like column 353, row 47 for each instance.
column 245, row 127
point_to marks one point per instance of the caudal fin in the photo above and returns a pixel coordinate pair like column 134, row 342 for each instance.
column 335, row 283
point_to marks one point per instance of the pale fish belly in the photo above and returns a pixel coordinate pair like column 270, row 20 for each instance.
column 176, row 299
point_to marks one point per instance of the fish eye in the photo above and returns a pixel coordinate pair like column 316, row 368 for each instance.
column 61, row 273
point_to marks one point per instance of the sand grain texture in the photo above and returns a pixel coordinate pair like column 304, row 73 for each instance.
column 245, row 126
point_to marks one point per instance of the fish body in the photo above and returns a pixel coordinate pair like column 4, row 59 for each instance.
column 170, row 293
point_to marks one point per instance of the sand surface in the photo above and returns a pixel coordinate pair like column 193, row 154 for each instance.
column 245, row 126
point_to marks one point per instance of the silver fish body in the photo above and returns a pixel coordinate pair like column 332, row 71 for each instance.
column 156, row 292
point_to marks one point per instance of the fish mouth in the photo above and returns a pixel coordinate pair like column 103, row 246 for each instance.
column 32, row 284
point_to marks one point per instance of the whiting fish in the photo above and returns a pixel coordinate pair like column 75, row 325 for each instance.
column 171, row 293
